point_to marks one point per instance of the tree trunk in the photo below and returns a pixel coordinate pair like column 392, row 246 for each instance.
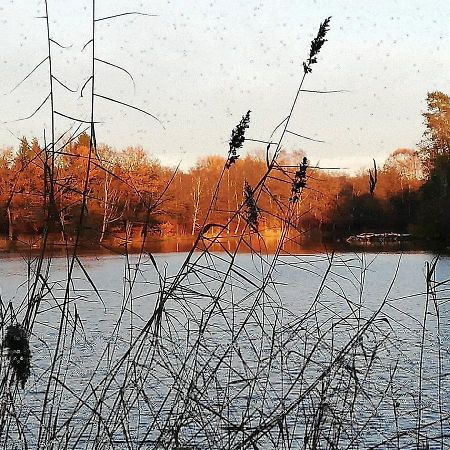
column 105, row 211
column 238, row 224
column 196, row 203
column 10, row 224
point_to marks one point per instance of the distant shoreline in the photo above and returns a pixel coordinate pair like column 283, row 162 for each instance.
column 31, row 244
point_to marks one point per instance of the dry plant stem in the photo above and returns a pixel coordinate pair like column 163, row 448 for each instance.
column 221, row 360
column 439, row 344
column 57, row 360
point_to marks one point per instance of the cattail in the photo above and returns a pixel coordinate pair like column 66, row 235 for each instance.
column 299, row 181
column 237, row 139
column 316, row 45
column 17, row 342
column 252, row 210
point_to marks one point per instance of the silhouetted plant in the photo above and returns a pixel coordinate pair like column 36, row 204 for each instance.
column 237, row 139
column 217, row 359
column 299, row 181
column 16, row 341
column 373, row 178
column 252, row 210
column 316, row 45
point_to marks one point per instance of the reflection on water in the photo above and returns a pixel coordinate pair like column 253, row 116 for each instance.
column 297, row 244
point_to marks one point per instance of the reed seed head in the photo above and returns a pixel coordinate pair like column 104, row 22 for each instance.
column 237, row 139
column 299, row 181
column 252, row 210
column 316, row 45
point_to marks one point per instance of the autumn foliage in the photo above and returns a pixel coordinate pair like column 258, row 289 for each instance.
column 129, row 191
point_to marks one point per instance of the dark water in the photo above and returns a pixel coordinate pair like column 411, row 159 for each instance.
column 298, row 244
column 349, row 293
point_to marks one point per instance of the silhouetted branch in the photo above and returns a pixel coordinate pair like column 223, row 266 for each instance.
column 60, row 45
column 33, row 113
column 84, row 85
column 130, row 106
column 73, row 118
column 29, row 75
column 87, row 43
column 305, row 137
column 117, row 67
column 63, row 85
column 126, row 14
column 324, row 92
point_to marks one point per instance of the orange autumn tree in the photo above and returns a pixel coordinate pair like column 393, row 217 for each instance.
column 25, row 204
column 129, row 192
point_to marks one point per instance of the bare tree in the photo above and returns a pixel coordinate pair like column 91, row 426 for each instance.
column 112, row 212
column 196, row 194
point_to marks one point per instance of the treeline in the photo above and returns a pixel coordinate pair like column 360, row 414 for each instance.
column 123, row 186
column 127, row 192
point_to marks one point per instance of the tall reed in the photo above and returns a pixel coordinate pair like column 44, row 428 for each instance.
column 216, row 357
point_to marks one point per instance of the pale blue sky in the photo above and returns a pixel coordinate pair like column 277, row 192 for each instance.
column 201, row 64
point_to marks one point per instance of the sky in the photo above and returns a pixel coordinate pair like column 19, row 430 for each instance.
column 199, row 65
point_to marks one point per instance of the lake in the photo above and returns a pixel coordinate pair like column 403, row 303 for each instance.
column 230, row 351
